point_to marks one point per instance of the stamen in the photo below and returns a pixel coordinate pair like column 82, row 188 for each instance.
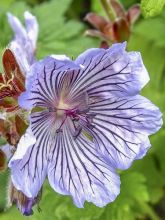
column 83, row 111
column 7, row 83
column 77, row 132
column 59, row 129
column 52, row 109
column 76, row 118
column 75, row 115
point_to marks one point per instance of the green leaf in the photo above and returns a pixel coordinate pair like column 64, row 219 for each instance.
column 5, row 3
column 133, row 193
column 97, row 8
column 147, row 166
column 128, row 3
column 3, row 189
column 155, row 30
column 152, row 8
column 58, row 34
column 158, row 143
column 17, row 8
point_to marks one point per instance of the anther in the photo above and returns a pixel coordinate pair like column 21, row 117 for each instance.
column 59, row 130
column 77, row 132
column 52, row 109
column 76, row 118
column 90, row 126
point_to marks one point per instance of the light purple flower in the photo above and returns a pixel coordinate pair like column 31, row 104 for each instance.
column 25, row 38
column 23, row 203
column 92, row 121
column 8, row 150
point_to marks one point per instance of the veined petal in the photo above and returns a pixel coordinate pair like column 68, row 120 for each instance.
column 112, row 72
column 122, row 126
column 24, row 43
column 29, row 163
column 24, row 204
column 91, row 122
column 31, row 28
column 76, row 169
column 25, row 142
column 45, row 80
column 60, row 57
column 17, row 27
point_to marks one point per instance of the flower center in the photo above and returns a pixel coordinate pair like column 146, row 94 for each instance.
column 77, row 112
column 61, row 107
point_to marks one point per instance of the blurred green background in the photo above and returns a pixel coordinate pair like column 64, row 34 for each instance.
column 62, row 32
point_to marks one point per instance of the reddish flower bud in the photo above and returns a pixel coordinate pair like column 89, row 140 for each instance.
column 11, row 82
column 2, row 160
column 119, row 29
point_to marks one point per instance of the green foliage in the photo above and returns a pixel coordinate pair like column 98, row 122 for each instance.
column 129, row 3
column 97, row 7
column 142, row 186
column 127, row 206
column 155, row 30
column 151, row 8
column 3, row 190
column 57, row 32
column 133, row 195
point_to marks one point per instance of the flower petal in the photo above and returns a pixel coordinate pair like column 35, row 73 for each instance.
column 18, row 29
column 24, row 43
column 44, row 81
column 20, row 56
column 31, row 27
column 112, row 72
column 76, row 169
column 25, row 142
column 8, row 150
column 23, row 203
column 29, row 163
column 133, row 13
column 96, row 21
column 121, row 128
column 118, row 8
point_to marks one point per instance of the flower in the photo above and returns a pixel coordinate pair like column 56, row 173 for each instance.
column 11, row 82
column 87, row 120
column 2, row 160
column 16, row 60
column 24, row 43
column 113, row 30
column 23, row 203
column 6, row 152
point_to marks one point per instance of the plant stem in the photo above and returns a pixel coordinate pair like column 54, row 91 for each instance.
column 108, row 9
